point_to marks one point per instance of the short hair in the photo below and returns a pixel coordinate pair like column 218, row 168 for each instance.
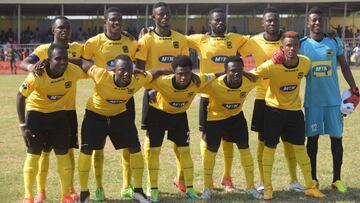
column 58, row 18
column 234, row 59
column 290, row 34
column 316, row 10
column 123, row 57
column 160, row 4
column 54, row 46
column 270, row 10
column 181, row 61
column 111, row 10
column 216, row 10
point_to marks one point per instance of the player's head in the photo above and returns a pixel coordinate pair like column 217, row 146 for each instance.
column 182, row 66
column 61, row 28
column 58, row 59
column 270, row 21
column 113, row 20
column 315, row 21
column 290, row 44
column 161, row 15
column 123, row 69
column 217, row 21
column 234, row 67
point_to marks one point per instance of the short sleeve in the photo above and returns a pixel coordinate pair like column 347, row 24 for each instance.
column 205, row 79
column 142, row 48
column 193, row 41
column 97, row 74
column 185, row 48
column 39, row 53
column 339, row 47
column 241, row 41
column 263, row 70
column 133, row 45
column 29, row 85
column 247, row 48
column 88, row 49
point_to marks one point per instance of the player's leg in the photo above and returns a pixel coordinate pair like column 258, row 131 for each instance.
column 333, row 124
column 237, row 131
column 295, row 134
column 41, row 177
column 228, row 151
column 93, row 134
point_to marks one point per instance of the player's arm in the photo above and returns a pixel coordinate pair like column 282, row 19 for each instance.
column 157, row 72
column 27, row 63
column 85, row 65
column 345, row 69
column 20, row 107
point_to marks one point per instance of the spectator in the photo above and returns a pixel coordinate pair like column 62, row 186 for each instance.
column 9, row 36
column 11, row 57
column 2, row 56
column 191, row 31
column 355, row 57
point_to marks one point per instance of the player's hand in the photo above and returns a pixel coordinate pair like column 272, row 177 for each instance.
column 195, row 79
column 152, row 96
column 127, row 34
column 278, row 57
column 354, row 98
column 26, row 135
column 250, row 76
column 143, row 31
column 38, row 67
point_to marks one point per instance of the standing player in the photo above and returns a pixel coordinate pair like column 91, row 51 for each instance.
column 213, row 49
column 322, row 94
column 261, row 47
column 168, row 113
column 47, row 120
column 102, row 49
column 283, row 116
column 226, row 121
column 61, row 28
column 158, row 48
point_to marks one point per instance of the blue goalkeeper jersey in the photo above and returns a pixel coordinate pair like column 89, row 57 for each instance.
column 322, row 84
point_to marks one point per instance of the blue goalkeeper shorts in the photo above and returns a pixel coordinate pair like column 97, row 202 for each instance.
column 322, row 120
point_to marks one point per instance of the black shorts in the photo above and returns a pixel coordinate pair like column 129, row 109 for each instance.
column 73, row 124
column 120, row 128
column 130, row 106
column 158, row 122
column 145, row 109
column 49, row 130
column 289, row 125
column 257, row 122
column 233, row 129
column 204, row 102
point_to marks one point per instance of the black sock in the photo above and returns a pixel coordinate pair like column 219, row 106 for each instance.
column 337, row 154
column 84, row 195
column 312, row 149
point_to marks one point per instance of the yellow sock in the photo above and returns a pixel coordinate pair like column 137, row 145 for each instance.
column 203, row 148
column 84, row 165
column 259, row 154
column 228, row 150
column 187, row 165
column 98, row 161
column 268, row 162
column 304, row 163
column 248, row 165
column 31, row 167
column 64, row 170
column 152, row 163
column 137, row 168
column 180, row 173
column 208, row 167
column 72, row 164
column 291, row 160
column 125, row 157
column 43, row 171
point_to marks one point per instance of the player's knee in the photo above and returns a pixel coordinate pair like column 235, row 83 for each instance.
column 34, row 151
column 212, row 148
column 86, row 151
column 242, row 145
column 134, row 150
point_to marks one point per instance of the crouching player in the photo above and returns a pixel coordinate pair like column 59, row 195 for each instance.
column 225, row 120
column 106, row 115
column 46, row 122
column 167, row 112
column 283, row 115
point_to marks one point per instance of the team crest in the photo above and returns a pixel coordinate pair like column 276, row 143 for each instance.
column 229, row 45
column 68, row 84
column 329, row 53
column 242, row 94
column 25, row 85
column 73, row 54
column 300, row 75
column 131, row 91
column 176, row 44
column 125, row 49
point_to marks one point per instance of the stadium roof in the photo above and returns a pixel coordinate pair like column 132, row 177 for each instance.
column 196, row 7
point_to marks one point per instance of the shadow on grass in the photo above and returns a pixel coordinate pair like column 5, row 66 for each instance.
column 352, row 195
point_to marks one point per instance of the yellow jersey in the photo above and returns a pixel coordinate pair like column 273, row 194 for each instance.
column 159, row 52
column 103, row 50
column 47, row 94
column 262, row 50
column 284, row 83
column 213, row 51
column 74, row 50
column 109, row 99
column 225, row 102
column 172, row 100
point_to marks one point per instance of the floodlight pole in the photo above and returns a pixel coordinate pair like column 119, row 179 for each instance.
column 306, row 14
column 344, row 22
column 62, row 10
column 227, row 17
column 147, row 15
column 186, row 19
column 19, row 24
